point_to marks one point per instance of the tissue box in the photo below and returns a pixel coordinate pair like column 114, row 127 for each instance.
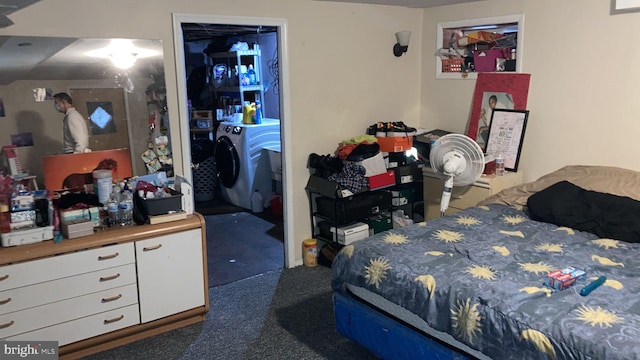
column 76, row 228
column 92, row 214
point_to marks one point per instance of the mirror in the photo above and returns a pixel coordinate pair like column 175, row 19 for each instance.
column 124, row 108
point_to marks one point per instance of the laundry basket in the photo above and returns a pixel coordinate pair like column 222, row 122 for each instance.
column 205, row 180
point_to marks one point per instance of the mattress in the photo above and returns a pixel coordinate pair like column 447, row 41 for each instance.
column 397, row 312
column 478, row 277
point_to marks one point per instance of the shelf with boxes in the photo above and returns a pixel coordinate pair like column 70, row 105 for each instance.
column 341, row 215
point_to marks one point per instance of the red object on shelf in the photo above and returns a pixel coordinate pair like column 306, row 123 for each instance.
column 382, row 180
column 395, row 143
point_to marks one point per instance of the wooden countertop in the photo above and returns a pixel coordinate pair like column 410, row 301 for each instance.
column 9, row 255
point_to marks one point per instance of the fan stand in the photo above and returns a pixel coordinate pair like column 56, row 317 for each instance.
column 446, row 195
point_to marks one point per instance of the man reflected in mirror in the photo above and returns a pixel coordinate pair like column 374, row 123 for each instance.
column 75, row 131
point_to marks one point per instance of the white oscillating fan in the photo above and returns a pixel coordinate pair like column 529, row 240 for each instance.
column 458, row 160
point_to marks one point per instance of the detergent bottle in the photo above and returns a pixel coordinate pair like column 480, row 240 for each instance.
column 248, row 113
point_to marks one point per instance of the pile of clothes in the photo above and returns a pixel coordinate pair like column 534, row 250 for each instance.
column 345, row 166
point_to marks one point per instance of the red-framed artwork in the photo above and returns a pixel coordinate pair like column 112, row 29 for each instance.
column 495, row 90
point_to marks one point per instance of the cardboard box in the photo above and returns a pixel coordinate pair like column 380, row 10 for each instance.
column 382, row 180
column 395, row 143
column 27, row 236
column 562, row 279
column 351, row 233
column 405, row 174
column 374, row 165
column 327, row 188
column 379, row 223
column 76, row 228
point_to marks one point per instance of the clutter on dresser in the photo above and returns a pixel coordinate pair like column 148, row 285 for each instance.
column 24, row 214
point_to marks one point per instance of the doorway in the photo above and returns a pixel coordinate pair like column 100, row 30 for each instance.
column 218, row 35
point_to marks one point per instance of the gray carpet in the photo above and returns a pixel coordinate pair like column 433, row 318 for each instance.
column 241, row 245
column 282, row 314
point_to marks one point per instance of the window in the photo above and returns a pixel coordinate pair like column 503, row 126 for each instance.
column 466, row 47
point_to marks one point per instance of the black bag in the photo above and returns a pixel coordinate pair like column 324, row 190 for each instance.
column 327, row 253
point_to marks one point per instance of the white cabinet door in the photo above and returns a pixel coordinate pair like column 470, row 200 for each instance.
column 170, row 274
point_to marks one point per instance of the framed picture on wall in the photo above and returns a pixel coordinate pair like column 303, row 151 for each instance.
column 506, row 135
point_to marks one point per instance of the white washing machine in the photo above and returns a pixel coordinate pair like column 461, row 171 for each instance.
column 240, row 166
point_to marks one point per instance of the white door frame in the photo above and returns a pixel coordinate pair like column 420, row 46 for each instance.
column 285, row 106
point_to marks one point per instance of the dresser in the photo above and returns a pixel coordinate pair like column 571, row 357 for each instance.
column 104, row 290
column 463, row 197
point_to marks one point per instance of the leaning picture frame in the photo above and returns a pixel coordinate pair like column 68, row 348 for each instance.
column 506, row 135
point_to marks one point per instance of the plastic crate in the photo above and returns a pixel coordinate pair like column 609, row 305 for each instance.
column 452, row 65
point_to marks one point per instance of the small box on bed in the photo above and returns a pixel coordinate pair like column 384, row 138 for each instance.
column 562, row 279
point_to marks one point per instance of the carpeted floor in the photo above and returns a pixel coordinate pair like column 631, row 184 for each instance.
column 282, row 314
column 242, row 244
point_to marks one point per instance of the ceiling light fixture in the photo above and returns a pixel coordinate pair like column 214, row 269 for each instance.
column 122, row 53
column 402, row 44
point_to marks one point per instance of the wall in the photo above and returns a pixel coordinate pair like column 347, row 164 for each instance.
column 343, row 75
column 583, row 85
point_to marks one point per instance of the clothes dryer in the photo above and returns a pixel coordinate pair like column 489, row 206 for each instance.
column 240, row 164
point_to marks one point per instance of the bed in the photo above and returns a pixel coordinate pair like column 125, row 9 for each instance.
column 470, row 285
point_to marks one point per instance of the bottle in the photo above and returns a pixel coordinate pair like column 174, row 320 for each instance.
column 251, row 73
column 126, row 207
column 499, row 164
column 256, row 202
column 5, row 218
column 258, row 117
column 113, row 205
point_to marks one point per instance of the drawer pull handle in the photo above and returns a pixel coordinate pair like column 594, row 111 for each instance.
column 113, row 298
column 5, row 301
column 107, row 257
column 107, row 278
column 4, row 277
column 149, row 248
column 109, row 321
column 6, row 325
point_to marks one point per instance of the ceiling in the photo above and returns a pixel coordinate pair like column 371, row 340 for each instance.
column 8, row 7
column 407, row 3
column 51, row 58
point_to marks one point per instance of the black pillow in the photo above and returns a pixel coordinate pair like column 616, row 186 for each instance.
column 606, row 215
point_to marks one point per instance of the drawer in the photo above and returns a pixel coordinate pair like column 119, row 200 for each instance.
column 462, row 197
column 84, row 328
column 66, row 288
column 66, row 310
column 56, row 267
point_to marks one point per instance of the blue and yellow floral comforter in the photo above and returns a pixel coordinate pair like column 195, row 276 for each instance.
column 478, row 275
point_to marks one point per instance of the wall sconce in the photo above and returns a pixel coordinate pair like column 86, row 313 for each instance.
column 402, row 44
